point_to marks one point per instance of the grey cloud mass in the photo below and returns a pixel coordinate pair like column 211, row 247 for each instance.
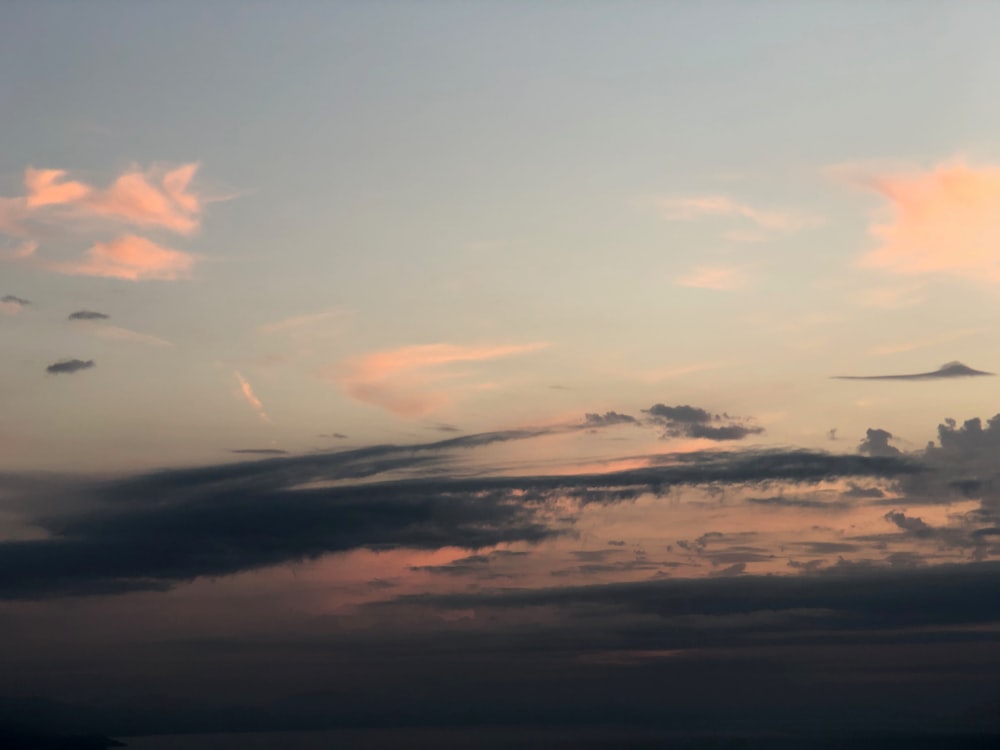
column 157, row 529
column 87, row 315
column 694, row 422
column 69, row 366
column 13, row 300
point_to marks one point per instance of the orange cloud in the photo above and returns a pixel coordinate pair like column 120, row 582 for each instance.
column 942, row 220
column 159, row 197
column 132, row 258
column 46, row 187
column 407, row 381
column 153, row 198
column 251, row 398
column 717, row 278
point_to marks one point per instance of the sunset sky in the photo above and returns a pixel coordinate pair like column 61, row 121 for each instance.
column 350, row 344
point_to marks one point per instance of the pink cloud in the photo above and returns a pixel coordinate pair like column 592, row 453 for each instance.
column 699, row 207
column 153, row 198
column 251, row 398
column 47, row 187
column 160, row 197
column 942, row 220
column 716, row 278
column 132, row 258
column 408, row 381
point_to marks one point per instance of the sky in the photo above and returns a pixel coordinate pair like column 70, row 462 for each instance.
column 382, row 364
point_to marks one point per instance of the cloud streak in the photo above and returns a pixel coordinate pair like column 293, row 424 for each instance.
column 947, row 371
column 246, row 391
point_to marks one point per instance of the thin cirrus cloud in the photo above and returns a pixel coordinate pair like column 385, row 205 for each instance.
column 247, row 392
column 408, row 381
column 130, row 257
column 942, row 220
column 159, row 198
column 118, row 333
column 720, row 206
column 716, row 278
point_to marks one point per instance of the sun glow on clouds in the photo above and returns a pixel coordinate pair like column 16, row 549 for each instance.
column 158, row 198
column 409, row 381
column 942, row 220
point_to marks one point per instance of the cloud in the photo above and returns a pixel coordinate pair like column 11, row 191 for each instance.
column 46, row 187
column 406, row 381
column 251, row 398
column 946, row 371
column 876, row 443
column 87, row 315
column 154, row 530
column 69, row 366
column 709, row 206
column 261, row 451
column 608, row 419
column 129, row 257
column 290, row 325
column 117, row 333
column 717, row 278
column 159, row 197
column 12, row 305
column 942, row 220
column 693, row 422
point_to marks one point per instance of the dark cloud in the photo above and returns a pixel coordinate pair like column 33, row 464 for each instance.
column 679, row 414
column 471, row 565
column 442, row 427
column 782, row 501
column 69, row 366
column 261, row 451
column 12, row 300
column 154, row 530
column 947, row 370
column 693, row 422
column 876, row 443
column 334, row 435
column 608, row 419
column 87, row 315
column 871, row 596
column 616, row 542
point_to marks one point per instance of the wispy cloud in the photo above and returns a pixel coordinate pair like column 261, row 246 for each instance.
column 118, row 333
column 945, row 219
column 129, row 257
column 693, row 208
column 299, row 322
column 406, row 381
column 717, row 278
column 87, row 315
column 251, row 398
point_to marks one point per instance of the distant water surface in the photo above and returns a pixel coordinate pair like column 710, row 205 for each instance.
column 559, row 739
